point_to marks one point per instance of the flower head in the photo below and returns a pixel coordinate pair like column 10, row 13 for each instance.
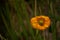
column 40, row 22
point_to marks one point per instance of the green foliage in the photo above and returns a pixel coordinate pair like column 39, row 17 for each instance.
column 24, row 11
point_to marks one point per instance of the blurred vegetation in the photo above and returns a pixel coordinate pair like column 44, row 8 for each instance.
column 15, row 16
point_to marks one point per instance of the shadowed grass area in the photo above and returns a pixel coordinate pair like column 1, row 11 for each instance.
column 16, row 18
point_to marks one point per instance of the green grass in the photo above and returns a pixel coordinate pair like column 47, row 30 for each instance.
column 22, row 14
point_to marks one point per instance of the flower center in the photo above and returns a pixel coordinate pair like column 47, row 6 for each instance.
column 41, row 22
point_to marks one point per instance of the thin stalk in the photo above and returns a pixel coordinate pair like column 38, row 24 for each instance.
column 20, row 19
column 35, row 7
column 35, row 16
column 40, row 10
column 54, row 23
column 2, row 38
column 54, row 30
column 38, row 36
column 8, row 24
column 44, row 35
column 26, row 17
column 48, row 35
column 9, row 31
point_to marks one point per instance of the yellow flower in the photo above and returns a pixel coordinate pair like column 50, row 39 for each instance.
column 40, row 22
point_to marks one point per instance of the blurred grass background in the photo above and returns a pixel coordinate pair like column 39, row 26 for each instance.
column 15, row 16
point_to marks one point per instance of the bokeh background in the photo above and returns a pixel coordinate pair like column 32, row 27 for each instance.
column 15, row 16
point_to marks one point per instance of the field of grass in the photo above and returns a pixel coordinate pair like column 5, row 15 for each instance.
column 16, row 15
